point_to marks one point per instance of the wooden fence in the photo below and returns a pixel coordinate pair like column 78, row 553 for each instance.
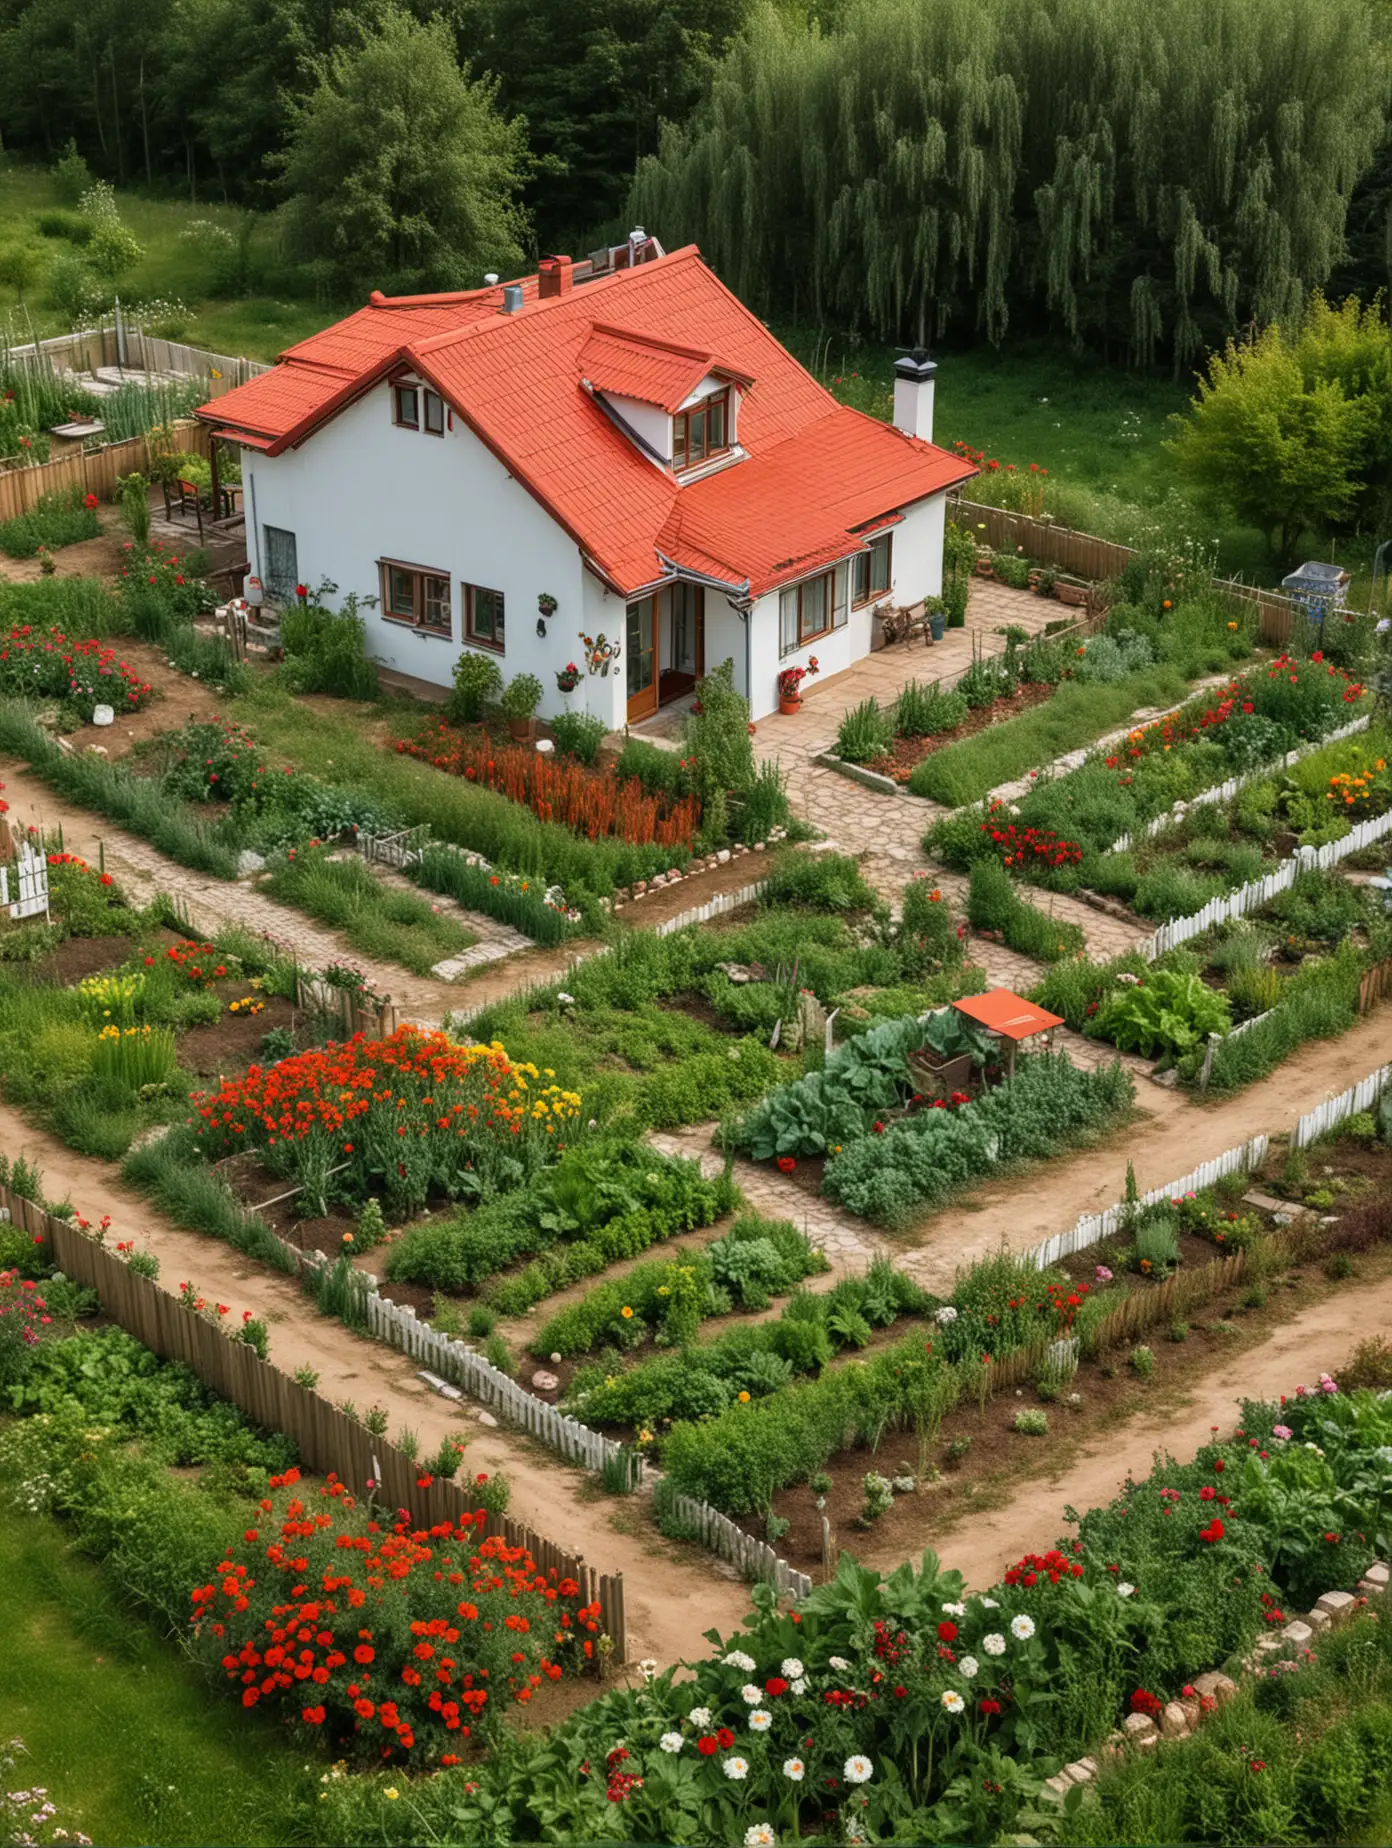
column 326, row 1438
column 1376, row 986
column 134, row 350
column 1361, row 1096
column 1224, row 792
column 353, row 1010
column 1092, row 1228
column 1084, row 555
column 1261, row 891
column 752, row 1558
column 93, row 471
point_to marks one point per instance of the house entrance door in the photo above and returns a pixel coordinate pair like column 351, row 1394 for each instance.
column 642, row 659
column 684, row 640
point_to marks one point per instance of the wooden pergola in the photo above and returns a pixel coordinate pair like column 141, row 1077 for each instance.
column 1009, row 1017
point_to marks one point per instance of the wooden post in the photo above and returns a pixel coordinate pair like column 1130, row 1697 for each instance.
column 216, row 482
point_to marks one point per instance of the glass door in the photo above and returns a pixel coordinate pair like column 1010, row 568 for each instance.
column 642, row 658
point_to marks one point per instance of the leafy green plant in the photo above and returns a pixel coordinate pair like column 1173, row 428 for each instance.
column 994, row 903
column 520, row 697
column 579, row 735
column 1162, row 1012
column 1031, row 1422
column 477, row 681
column 865, row 733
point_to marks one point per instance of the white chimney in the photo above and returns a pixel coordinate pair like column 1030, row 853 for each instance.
column 913, row 394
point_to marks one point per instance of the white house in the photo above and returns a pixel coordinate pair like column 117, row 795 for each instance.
column 620, row 435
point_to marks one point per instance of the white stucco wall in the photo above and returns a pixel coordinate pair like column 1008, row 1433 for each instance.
column 650, row 421
column 915, row 572
column 362, row 490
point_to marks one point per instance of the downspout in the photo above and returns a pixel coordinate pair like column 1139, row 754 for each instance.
column 742, row 606
column 254, row 530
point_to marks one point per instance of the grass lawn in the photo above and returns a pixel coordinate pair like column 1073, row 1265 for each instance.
column 256, row 326
column 126, row 1735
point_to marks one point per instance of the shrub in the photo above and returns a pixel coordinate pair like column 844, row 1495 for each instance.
column 520, row 697
column 993, row 903
column 579, row 735
column 477, row 681
column 326, row 650
column 818, row 882
column 55, row 520
column 922, row 712
column 1031, row 1422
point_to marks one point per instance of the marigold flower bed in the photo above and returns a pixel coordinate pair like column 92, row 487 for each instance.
column 405, row 1117
column 588, row 802
column 49, row 665
column 405, row 1642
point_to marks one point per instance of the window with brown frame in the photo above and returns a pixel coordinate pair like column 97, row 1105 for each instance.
column 434, row 414
column 406, row 407
column 484, row 617
column 417, row 597
column 701, row 432
column 814, row 607
column 872, row 571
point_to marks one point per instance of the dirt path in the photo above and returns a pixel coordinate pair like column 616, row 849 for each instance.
column 1176, row 1137
column 668, row 1609
column 1317, row 1340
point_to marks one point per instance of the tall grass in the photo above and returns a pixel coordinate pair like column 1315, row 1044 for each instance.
column 82, row 607
column 1318, row 1003
column 172, row 1173
column 386, row 925
column 134, row 802
column 1074, row 717
column 442, row 870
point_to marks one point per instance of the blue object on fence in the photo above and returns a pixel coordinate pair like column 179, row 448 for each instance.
column 1317, row 588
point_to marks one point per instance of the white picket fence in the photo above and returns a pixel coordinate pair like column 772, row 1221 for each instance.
column 1261, row 891
column 1092, row 1228
column 752, row 1558
column 1361, row 1096
column 1224, row 792
column 714, row 908
column 397, row 1324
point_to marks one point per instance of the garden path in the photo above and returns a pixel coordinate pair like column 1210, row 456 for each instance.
column 667, row 1610
column 1316, row 1340
column 1173, row 1136
column 143, row 871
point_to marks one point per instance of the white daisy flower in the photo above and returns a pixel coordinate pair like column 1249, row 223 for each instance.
column 952, row 1700
column 760, row 1836
column 760, row 1720
column 989, row 1604
column 792, row 1668
column 701, row 1716
column 840, row 1664
column 1124, row 1590
column 795, row 1769
column 800, row 1685
column 945, row 1316
column 955, row 1610
column 1022, row 1627
column 736, row 1768
column 738, row 1659
column 858, row 1770
column 994, row 1644
column 671, row 1742
column 967, row 1667
column 750, row 1695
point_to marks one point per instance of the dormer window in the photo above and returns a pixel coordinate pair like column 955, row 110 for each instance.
column 702, row 431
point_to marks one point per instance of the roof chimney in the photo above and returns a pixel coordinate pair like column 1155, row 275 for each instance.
column 512, row 299
column 553, row 277
column 914, row 373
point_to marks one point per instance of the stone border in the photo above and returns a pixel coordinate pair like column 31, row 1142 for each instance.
column 869, row 779
column 1181, row 1718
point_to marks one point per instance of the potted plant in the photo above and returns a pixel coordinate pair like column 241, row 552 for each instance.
column 984, row 566
column 568, row 678
column 936, row 611
column 790, row 686
column 546, row 603
column 520, row 699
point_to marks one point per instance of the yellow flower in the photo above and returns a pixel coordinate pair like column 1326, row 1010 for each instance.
column 393, row 1793
column 626, row 1313
column 744, row 1398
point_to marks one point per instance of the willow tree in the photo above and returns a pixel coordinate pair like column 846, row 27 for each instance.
column 1143, row 177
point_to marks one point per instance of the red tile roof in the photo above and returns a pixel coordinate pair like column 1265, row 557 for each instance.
column 1008, row 1014
column 813, row 474
column 633, row 365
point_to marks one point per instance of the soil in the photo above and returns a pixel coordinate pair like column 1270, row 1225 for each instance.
column 100, row 557
column 179, row 700
column 899, row 761
column 698, row 889
column 231, row 1043
column 78, row 957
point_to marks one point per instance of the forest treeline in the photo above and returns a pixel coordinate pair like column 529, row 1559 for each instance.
column 1147, row 179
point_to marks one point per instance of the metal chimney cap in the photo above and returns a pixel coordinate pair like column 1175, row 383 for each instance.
column 512, row 298
column 915, row 366
column 490, row 281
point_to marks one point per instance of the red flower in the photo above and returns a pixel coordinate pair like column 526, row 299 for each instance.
column 724, row 1738
column 775, row 1685
column 707, row 1746
column 947, row 1632
column 89, row 501
column 990, row 1706
column 786, row 1164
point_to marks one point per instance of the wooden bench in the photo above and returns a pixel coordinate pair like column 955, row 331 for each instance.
column 902, row 625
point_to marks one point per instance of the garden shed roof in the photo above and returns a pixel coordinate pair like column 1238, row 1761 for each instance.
column 1008, row 1014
